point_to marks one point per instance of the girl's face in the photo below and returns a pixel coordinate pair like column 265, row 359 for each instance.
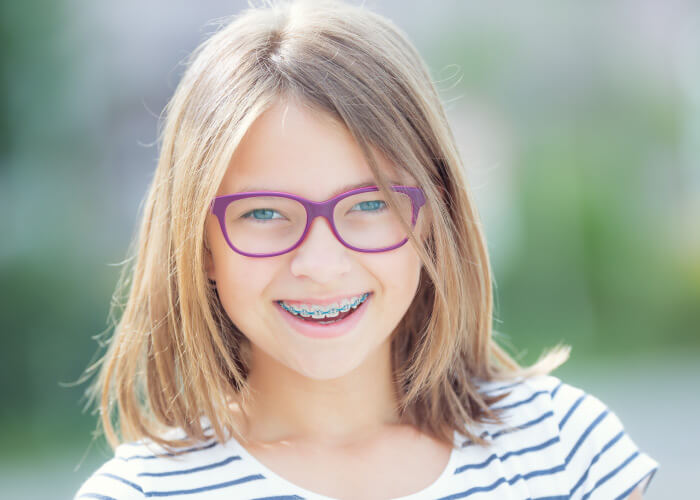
column 293, row 149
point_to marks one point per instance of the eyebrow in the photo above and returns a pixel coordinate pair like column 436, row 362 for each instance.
column 343, row 189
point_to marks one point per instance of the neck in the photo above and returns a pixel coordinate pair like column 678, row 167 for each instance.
column 287, row 406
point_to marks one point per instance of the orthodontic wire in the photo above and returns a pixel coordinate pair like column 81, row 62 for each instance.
column 342, row 309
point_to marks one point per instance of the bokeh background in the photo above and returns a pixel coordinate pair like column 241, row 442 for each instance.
column 579, row 123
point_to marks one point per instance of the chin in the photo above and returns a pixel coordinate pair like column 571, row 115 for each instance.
column 326, row 368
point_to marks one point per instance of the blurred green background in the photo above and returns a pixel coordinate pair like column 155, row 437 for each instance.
column 579, row 123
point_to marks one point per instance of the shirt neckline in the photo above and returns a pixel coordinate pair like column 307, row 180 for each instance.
column 312, row 495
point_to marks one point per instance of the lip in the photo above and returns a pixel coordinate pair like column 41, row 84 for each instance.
column 317, row 331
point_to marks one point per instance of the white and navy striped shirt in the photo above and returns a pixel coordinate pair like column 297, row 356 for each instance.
column 556, row 442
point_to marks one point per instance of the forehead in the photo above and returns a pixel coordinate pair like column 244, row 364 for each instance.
column 294, row 148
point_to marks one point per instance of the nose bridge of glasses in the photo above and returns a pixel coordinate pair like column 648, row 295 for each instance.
column 323, row 209
column 320, row 209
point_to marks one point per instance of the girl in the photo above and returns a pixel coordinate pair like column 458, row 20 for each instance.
column 309, row 314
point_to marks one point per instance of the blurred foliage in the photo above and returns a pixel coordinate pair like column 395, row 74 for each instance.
column 54, row 287
column 597, row 264
column 52, row 306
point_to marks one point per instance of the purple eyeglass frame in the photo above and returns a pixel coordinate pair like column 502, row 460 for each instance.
column 314, row 209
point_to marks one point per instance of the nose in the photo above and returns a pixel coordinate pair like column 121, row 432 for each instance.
column 320, row 257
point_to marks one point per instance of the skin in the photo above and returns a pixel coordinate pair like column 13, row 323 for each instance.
column 303, row 420
column 636, row 494
column 309, row 390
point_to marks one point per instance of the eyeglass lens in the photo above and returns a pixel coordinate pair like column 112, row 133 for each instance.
column 270, row 224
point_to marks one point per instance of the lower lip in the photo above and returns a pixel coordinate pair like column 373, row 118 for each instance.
column 330, row 330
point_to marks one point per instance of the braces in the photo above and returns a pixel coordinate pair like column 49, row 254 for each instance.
column 316, row 314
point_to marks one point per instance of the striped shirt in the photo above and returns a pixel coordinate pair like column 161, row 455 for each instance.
column 555, row 442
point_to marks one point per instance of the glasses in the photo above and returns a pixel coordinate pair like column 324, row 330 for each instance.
column 270, row 223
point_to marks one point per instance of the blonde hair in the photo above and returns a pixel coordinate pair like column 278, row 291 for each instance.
column 175, row 356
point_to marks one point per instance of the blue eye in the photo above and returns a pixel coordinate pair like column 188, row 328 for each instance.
column 261, row 214
column 368, row 206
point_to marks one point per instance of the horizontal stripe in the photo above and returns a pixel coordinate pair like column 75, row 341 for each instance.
column 524, row 426
column 511, row 430
column 204, row 474
column 507, row 455
column 469, row 442
column 585, row 434
column 501, row 480
column 121, row 480
column 283, row 497
column 194, row 469
column 477, row 489
column 556, row 389
column 538, row 473
column 519, row 403
column 571, row 411
column 538, row 447
column 594, row 460
column 504, row 387
column 182, row 452
column 209, row 487
column 611, row 474
column 546, row 444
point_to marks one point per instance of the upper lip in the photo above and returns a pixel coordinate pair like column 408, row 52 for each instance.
column 319, row 301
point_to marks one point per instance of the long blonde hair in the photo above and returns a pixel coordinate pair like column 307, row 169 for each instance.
column 175, row 356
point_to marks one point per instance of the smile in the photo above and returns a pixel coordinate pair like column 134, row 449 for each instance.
column 317, row 312
column 327, row 321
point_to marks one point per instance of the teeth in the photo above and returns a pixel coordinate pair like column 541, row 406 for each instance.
column 327, row 311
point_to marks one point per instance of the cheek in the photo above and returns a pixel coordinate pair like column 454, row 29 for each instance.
column 398, row 272
column 240, row 280
column 242, row 286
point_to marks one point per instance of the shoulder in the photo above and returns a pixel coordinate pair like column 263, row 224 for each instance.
column 130, row 474
column 117, row 478
column 563, row 433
